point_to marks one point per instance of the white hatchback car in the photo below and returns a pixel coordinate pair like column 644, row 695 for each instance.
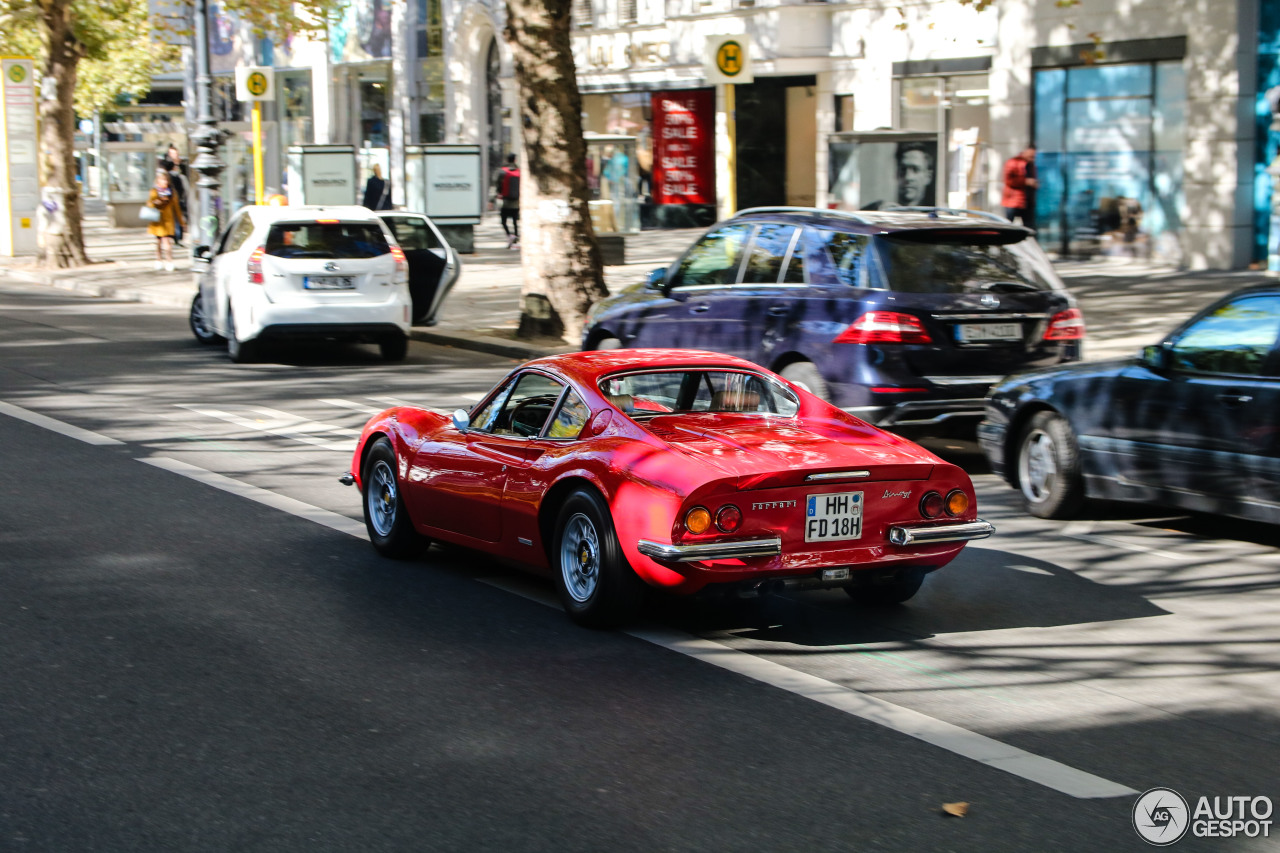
column 281, row 273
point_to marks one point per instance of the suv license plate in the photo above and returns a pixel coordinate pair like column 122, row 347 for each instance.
column 329, row 282
column 969, row 333
column 829, row 518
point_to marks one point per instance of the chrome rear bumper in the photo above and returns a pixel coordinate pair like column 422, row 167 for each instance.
column 711, row 550
column 901, row 534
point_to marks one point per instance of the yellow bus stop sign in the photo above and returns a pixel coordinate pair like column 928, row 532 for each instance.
column 729, row 59
column 256, row 83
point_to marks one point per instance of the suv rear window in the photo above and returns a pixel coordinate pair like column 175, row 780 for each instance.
column 326, row 240
column 950, row 262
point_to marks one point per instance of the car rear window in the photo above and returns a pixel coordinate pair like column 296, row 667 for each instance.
column 660, row 392
column 326, row 240
column 960, row 262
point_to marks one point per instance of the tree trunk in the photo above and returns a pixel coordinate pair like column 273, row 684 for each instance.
column 57, row 136
column 563, row 272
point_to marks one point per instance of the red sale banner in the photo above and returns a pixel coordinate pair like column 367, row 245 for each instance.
column 683, row 147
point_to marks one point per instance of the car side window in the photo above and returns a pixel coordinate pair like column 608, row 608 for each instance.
column 850, row 257
column 768, row 251
column 796, row 271
column 235, row 235
column 570, row 418
column 1235, row 338
column 412, row 233
column 715, row 258
column 482, row 418
column 528, row 407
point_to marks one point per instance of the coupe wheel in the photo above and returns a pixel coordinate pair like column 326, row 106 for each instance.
column 240, row 352
column 200, row 322
column 1049, row 467
column 903, row 587
column 597, row 587
column 806, row 375
column 385, row 517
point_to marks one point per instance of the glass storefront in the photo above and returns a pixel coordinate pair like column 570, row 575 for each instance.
column 1110, row 142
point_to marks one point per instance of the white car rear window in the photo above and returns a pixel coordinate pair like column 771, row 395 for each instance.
column 326, row 240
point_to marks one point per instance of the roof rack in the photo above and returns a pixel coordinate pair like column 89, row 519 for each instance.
column 950, row 211
column 862, row 220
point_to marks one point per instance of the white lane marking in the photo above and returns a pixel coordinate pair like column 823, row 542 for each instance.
column 993, row 753
column 353, row 406
column 390, row 402
column 332, row 520
column 1031, row 570
column 287, row 427
column 305, row 425
column 55, row 425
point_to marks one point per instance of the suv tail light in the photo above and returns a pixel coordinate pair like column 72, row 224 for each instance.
column 1065, row 326
column 255, row 266
column 402, row 264
column 885, row 327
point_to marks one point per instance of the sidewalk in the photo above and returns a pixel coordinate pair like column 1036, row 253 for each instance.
column 1126, row 303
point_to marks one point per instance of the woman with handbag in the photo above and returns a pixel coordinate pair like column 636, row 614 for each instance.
column 164, row 202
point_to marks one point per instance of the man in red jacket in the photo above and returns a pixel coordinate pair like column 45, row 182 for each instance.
column 1019, row 197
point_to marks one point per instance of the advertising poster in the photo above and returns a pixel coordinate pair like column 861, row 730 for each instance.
column 871, row 174
column 455, row 195
column 684, row 168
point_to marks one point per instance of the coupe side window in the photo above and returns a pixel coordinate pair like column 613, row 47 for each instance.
column 715, row 258
column 528, row 407
column 482, row 418
column 768, row 251
column 1235, row 338
column 570, row 419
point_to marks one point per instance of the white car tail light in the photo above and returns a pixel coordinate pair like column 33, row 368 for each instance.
column 255, row 266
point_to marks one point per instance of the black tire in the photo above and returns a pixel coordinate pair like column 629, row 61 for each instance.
column 385, row 517
column 607, row 342
column 901, row 589
column 806, row 375
column 394, row 349
column 240, row 352
column 1048, row 467
column 596, row 585
column 200, row 323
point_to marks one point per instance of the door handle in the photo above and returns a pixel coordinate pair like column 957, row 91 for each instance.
column 778, row 310
column 1235, row 399
column 699, row 309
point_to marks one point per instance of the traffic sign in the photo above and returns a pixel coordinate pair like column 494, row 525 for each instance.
column 728, row 59
column 255, row 83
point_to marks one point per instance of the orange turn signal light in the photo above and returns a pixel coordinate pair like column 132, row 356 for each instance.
column 697, row 520
column 957, row 502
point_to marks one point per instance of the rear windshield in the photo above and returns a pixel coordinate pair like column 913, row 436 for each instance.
column 912, row 265
column 660, row 392
column 326, row 240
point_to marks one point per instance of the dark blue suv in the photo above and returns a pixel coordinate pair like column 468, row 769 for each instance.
column 903, row 317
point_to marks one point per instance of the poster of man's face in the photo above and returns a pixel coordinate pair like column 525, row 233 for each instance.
column 875, row 174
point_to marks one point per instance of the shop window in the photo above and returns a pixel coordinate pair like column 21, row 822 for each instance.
column 628, row 11
column 583, row 13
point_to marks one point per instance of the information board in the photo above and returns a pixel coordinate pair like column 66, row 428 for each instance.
column 19, row 179
column 322, row 174
column 454, row 186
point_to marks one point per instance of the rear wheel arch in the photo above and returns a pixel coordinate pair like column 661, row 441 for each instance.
column 787, row 359
column 549, row 509
column 600, row 334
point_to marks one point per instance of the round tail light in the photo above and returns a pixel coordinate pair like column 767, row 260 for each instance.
column 957, row 502
column 697, row 520
column 728, row 518
column 931, row 505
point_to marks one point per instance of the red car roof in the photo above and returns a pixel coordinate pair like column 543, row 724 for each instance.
column 588, row 367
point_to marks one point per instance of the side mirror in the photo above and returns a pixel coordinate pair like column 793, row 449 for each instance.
column 1156, row 357
column 655, row 279
column 461, row 420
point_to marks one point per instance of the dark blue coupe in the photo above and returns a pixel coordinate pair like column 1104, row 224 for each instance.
column 904, row 318
column 1194, row 422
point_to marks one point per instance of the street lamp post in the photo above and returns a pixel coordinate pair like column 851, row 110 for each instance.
column 207, row 135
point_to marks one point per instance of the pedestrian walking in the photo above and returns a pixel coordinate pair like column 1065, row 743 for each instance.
column 163, row 199
column 377, row 191
column 176, row 167
column 1019, row 196
column 508, row 187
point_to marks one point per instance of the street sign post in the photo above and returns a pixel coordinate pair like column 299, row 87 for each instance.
column 19, row 177
column 256, row 83
column 727, row 63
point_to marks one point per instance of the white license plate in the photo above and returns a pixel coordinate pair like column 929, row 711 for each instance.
column 329, row 282
column 969, row 333
column 829, row 518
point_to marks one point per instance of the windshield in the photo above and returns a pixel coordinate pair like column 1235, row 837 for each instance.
column 955, row 266
column 650, row 393
column 326, row 240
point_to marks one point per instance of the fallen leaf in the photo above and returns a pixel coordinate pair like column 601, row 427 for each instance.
column 955, row 809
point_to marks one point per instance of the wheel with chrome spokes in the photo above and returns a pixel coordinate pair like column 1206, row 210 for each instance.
column 385, row 517
column 596, row 585
column 1048, row 466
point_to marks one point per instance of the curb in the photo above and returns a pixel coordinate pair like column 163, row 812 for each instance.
column 124, row 293
column 486, row 344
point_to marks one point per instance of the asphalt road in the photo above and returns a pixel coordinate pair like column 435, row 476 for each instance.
column 200, row 652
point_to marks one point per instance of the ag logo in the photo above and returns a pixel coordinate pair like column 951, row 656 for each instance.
column 17, row 73
column 256, row 83
column 729, row 59
column 1161, row 816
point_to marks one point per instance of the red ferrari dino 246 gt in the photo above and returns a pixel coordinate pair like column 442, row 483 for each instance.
column 619, row 470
